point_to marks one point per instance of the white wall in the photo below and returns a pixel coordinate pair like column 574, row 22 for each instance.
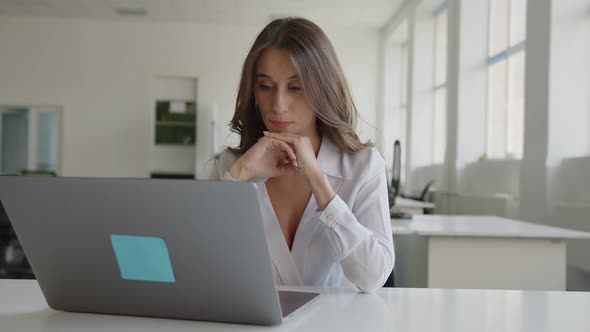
column 357, row 51
column 101, row 73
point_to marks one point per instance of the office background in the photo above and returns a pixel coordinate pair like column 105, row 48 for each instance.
column 489, row 98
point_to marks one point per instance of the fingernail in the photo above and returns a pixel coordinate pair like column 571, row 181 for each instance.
column 265, row 132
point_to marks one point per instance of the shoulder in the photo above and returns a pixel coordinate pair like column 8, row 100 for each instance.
column 362, row 164
column 357, row 166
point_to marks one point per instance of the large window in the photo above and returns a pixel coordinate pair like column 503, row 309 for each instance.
column 506, row 50
column 29, row 139
column 403, row 108
column 439, row 118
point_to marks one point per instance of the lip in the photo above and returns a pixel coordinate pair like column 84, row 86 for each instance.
column 281, row 124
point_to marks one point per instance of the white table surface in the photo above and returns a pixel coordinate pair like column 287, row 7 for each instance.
column 401, row 203
column 480, row 226
column 23, row 308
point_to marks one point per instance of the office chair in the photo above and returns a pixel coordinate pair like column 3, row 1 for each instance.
column 390, row 282
column 393, row 192
column 4, row 238
column 13, row 262
column 422, row 196
column 394, row 189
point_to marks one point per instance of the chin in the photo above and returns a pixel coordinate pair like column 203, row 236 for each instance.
column 287, row 130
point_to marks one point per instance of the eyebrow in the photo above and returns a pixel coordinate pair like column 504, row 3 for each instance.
column 261, row 75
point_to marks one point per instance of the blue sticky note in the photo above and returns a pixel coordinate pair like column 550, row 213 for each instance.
column 143, row 258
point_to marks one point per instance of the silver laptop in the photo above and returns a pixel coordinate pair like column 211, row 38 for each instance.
column 180, row 249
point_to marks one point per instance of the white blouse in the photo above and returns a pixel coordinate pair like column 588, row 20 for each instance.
column 349, row 244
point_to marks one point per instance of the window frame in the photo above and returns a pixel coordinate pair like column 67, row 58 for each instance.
column 505, row 54
column 441, row 10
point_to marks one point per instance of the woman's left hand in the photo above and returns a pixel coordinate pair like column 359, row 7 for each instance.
column 308, row 166
column 306, row 161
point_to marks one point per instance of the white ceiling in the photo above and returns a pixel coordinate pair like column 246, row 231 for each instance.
column 350, row 13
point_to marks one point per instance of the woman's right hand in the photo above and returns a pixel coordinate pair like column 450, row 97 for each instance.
column 269, row 157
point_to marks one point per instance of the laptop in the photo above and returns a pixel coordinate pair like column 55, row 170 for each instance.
column 180, row 249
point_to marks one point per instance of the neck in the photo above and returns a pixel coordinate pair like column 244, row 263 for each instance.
column 316, row 142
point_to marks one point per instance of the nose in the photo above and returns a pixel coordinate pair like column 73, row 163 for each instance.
column 281, row 102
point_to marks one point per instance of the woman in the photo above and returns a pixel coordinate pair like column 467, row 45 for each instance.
column 322, row 192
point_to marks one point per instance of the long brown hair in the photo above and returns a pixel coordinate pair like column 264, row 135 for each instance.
column 320, row 75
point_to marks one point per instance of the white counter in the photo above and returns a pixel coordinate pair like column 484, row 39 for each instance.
column 480, row 252
column 482, row 226
column 23, row 308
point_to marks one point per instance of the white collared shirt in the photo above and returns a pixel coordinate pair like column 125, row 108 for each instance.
column 349, row 244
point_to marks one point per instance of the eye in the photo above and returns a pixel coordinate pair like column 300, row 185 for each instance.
column 264, row 87
column 295, row 88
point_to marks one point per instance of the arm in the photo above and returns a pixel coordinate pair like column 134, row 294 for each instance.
column 322, row 190
column 267, row 158
column 221, row 162
column 361, row 236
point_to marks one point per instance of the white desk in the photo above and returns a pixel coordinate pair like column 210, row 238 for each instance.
column 480, row 252
column 411, row 205
column 23, row 309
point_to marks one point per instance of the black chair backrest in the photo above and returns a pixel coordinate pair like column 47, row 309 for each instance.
column 396, row 170
column 390, row 282
column 425, row 191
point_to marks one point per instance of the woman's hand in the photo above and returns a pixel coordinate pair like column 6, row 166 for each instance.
column 308, row 166
column 269, row 157
column 306, row 161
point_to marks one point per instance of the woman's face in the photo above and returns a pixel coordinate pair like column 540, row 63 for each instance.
column 280, row 96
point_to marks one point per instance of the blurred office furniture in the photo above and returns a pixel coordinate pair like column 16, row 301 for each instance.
column 423, row 195
column 28, row 172
column 13, row 262
column 390, row 282
column 173, row 152
column 394, row 188
column 488, row 187
column 438, row 251
column 175, row 122
column 411, row 206
column 401, row 206
column 184, row 133
column 573, row 211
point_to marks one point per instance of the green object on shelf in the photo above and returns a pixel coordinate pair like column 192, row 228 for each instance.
column 175, row 128
column 27, row 172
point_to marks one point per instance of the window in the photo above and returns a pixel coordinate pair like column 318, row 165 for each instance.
column 506, row 51
column 403, row 108
column 439, row 118
column 29, row 139
column 396, row 73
